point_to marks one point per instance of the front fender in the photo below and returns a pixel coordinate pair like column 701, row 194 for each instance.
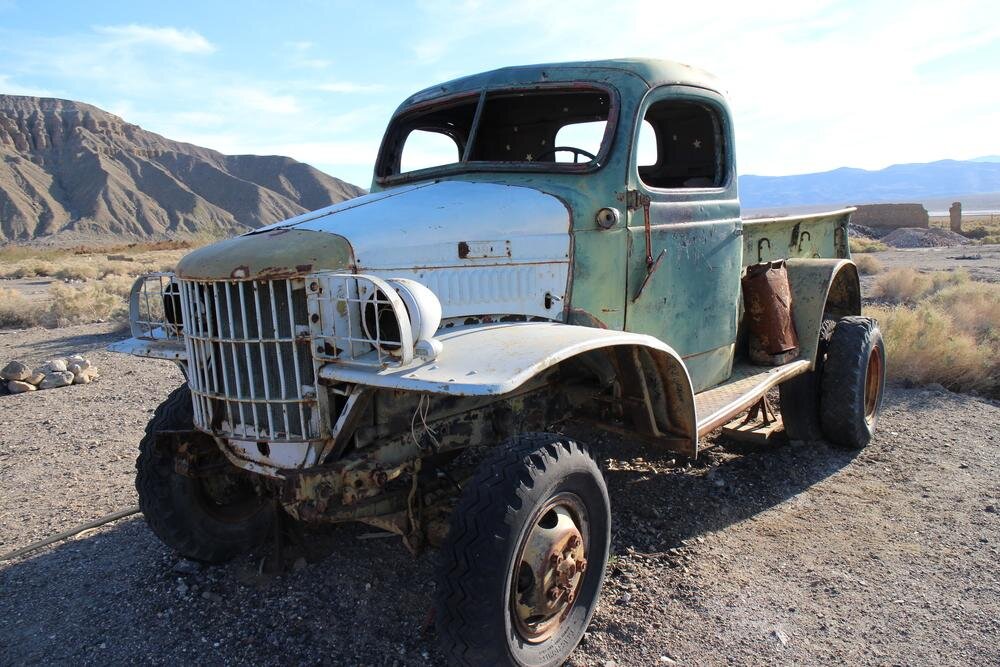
column 495, row 359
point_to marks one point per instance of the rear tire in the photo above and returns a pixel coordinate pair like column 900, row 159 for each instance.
column 206, row 519
column 853, row 383
column 799, row 398
column 523, row 564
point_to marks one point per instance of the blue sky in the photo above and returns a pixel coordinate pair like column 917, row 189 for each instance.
column 814, row 85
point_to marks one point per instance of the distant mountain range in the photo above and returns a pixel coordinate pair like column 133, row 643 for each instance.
column 922, row 182
column 72, row 170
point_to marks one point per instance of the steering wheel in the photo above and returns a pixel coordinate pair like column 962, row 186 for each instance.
column 577, row 152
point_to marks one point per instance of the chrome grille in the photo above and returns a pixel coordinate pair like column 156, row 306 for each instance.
column 250, row 366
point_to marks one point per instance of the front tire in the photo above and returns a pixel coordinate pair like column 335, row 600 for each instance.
column 853, row 382
column 210, row 519
column 524, row 561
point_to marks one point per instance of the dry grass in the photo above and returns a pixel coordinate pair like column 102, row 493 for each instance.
column 867, row 265
column 949, row 334
column 866, row 245
column 73, row 265
column 99, row 301
column 103, row 288
column 908, row 285
column 16, row 312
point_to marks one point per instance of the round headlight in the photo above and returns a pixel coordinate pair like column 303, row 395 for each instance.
column 422, row 308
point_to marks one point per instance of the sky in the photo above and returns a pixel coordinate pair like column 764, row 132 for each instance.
column 814, row 85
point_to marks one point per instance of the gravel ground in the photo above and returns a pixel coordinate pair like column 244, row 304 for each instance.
column 791, row 554
column 981, row 261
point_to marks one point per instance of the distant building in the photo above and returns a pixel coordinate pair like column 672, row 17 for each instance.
column 891, row 216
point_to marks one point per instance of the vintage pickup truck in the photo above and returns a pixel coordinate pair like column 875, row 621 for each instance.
column 543, row 247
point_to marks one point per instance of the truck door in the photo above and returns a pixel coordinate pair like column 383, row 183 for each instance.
column 684, row 250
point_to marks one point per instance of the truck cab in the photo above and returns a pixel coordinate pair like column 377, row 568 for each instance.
column 543, row 248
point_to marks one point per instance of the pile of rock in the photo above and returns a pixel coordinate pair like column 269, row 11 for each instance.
column 912, row 237
column 19, row 377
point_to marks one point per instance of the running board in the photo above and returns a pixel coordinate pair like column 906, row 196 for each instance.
column 745, row 386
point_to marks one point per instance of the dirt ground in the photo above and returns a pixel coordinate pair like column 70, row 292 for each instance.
column 788, row 554
column 981, row 261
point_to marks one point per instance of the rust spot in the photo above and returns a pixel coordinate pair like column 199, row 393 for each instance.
column 240, row 272
column 303, row 268
column 463, row 249
column 583, row 318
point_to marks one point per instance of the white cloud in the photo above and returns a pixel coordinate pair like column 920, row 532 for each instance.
column 181, row 40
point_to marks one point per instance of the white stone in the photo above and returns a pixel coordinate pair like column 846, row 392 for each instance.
column 35, row 378
column 75, row 359
column 18, row 387
column 15, row 370
column 56, row 379
column 53, row 366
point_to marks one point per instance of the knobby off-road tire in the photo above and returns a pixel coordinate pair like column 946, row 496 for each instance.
column 190, row 515
column 799, row 398
column 853, row 382
column 532, row 488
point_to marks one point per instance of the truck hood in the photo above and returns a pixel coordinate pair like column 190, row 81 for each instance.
column 444, row 223
column 483, row 248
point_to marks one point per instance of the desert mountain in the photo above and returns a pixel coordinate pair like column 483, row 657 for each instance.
column 73, row 170
column 919, row 182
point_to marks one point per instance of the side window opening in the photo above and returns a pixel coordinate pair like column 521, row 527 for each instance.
column 428, row 148
column 689, row 151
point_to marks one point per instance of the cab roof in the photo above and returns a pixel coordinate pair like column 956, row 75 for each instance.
column 648, row 71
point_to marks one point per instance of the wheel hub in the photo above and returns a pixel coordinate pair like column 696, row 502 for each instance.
column 549, row 569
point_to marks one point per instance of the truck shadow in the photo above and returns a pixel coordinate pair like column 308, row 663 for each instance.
column 117, row 595
column 660, row 501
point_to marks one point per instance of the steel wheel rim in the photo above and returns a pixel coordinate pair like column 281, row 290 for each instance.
column 549, row 569
column 873, row 384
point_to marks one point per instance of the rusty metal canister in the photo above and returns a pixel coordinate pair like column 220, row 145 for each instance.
column 767, row 299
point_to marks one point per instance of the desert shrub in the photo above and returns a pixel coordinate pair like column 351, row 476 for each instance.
column 867, row 265
column 867, row 245
column 975, row 310
column 76, row 272
column 16, row 312
column 902, row 285
column 951, row 337
column 94, row 302
column 29, row 269
column 908, row 285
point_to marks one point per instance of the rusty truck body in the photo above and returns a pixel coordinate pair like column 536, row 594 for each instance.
column 542, row 246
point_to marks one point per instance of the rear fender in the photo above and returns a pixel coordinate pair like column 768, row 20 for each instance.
column 821, row 287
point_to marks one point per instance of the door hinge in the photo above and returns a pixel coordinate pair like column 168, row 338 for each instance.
column 635, row 200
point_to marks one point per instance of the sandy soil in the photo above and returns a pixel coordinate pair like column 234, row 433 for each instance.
column 981, row 261
column 793, row 554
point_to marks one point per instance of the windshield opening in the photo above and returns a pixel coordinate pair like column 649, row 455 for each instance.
column 540, row 129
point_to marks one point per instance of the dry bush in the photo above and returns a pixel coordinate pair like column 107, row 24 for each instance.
column 902, row 285
column 975, row 309
column 94, row 302
column 951, row 337
column 908, row 285
column 29, row 269
column 867, row 265
column 16, row 312
column 866, row 245
column 76, row 272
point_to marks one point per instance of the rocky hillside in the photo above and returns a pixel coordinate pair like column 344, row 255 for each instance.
column 73, row 170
